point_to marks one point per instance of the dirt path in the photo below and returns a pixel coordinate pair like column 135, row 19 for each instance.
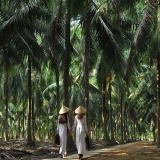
column 138, row 151
column 142, row 150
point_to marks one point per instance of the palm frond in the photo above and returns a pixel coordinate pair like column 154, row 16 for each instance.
column 120, row 4
column 111, row 50
column 51, row 87
column 55, row 34
column 30, row 46
column 80, row 9
column 145, row 29
column 142, row 38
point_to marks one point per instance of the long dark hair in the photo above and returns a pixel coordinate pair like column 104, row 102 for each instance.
column 63, row 118
column 65, row 115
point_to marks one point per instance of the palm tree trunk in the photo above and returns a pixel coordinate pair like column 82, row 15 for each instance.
column 6, row 95
column 6, row 105
column 104, row 114
column 134, row 127
column 154, row 129
column 110, row 106
column 158, row 86
column 33, row 122
column 23, row 121
column 121, row 114
column 67, row 58
column 85, row 66
column 125, row 122
column 158, row 99
column 29, row 129
column 57, row 83
column 57, row 90
column 67, row 61
column 19, row 124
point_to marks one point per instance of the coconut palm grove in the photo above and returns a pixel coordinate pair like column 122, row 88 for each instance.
column 103, row 55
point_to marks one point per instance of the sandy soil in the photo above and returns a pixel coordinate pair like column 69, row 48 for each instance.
column 142, row 150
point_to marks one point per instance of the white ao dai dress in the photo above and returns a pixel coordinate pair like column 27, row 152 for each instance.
column 81, row 128
column 62, row 129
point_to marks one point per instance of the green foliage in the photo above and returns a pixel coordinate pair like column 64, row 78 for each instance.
column 118, row 36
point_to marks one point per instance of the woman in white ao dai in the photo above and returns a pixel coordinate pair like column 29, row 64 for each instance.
column 80, row 125
column 62, row 127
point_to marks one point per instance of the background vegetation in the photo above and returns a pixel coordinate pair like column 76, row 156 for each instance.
column 101, row 54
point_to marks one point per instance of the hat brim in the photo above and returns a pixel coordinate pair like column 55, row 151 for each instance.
column 80, row 110
column 64, row 110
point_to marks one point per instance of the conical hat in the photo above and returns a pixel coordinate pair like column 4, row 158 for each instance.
column 64, row 110
column 80, row 110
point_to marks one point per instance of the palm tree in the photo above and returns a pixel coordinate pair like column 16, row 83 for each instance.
column 67, row 57
column 6, row 92
column 111, row 58
column 88, row 50
column 147, row 35
column 24, row 40
column 54, row 40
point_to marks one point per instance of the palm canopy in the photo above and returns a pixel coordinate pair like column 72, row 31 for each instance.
column 110, row 31
column 19, row 26
column 111, row 41
column 146, row 33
